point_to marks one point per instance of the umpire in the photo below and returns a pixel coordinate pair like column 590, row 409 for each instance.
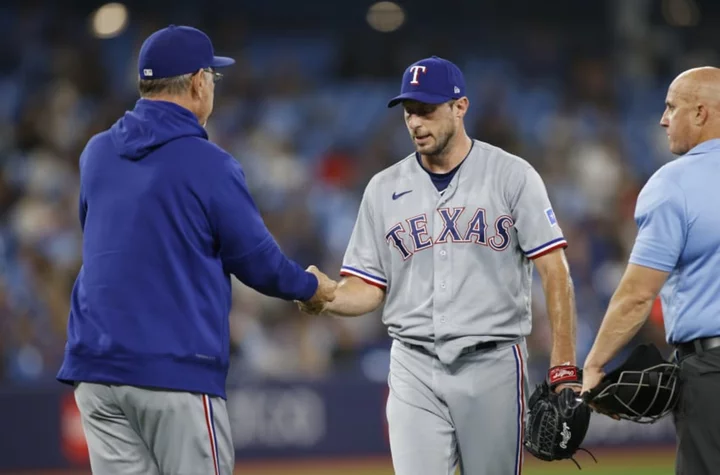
column 677, row 254
column 166, row 218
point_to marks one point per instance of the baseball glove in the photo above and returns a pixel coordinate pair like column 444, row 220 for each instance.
column 557, row 424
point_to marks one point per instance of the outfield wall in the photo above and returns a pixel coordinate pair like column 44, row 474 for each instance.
column 269, row 421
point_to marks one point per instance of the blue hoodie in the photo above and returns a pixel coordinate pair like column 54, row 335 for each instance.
column 166, row 218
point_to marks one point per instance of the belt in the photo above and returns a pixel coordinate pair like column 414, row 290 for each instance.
column 696, row 346
column 486, row 345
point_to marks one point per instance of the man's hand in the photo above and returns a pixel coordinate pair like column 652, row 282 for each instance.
column 574, row 387
column 591, row 378
column 325, row 293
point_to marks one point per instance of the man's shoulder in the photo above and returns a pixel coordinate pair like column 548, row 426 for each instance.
column 500, row 161
column 507, row 171
column 666, row 184
column 99, row 144
column 672, row 173
column 202, row 152
column 686, row 177
column 99, row 140
column 689, row 164
column 194, row 144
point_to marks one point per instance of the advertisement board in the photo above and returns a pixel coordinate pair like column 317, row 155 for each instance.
column 270, row 421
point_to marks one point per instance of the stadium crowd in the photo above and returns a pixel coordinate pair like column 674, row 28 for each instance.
column 309, row 125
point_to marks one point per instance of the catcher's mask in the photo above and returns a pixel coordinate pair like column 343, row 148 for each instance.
column 643, row 389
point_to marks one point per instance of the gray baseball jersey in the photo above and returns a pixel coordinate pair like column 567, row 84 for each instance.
column 456, row 266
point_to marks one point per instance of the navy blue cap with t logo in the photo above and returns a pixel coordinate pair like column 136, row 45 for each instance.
column 431, row 80
column 177, row 50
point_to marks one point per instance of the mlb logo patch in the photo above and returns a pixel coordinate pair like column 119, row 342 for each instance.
column 551, row 216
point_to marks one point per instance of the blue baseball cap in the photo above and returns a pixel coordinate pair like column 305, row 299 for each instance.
column 431, row 80
column 177, row 50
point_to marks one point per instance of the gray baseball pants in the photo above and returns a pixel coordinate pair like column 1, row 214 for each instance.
column 134, row 431
column 469, row 414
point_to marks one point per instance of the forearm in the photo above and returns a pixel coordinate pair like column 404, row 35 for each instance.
column 625, row 315
column 267, row 270
column 355, row 297
column 560, row 298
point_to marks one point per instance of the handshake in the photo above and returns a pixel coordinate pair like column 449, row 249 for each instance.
column 324, row 294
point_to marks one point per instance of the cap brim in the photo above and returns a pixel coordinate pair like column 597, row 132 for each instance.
column 420, row 97
column 221, row 61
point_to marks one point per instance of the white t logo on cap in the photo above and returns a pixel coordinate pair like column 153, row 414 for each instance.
column 148, row 72
column 416, row 70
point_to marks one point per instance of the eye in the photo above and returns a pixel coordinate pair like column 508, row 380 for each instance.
column 425, row 110
column 420, row 110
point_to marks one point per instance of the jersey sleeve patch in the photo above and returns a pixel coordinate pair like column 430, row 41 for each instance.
column 551, row 217
column 367, row 277
column 547, row 247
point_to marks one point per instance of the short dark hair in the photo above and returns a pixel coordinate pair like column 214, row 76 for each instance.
column 172, row 85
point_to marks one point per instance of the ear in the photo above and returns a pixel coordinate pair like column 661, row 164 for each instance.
column 461, row 107
column 197, row 83
column 701, row 115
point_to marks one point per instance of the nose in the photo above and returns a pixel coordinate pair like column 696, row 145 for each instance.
column 413, row 121
column 664, row 120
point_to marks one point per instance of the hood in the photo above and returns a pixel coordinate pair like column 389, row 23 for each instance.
column 152, row 124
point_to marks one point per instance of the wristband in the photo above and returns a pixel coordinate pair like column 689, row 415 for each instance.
column 563, row 374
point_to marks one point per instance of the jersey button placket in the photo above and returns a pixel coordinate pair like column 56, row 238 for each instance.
column 440, row 294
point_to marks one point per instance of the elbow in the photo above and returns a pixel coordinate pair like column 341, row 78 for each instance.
column 635, row 301
column 640, row 286
column 637, row 294
column 645, row 298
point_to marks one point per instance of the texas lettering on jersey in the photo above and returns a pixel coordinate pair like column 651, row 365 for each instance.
column 412, row 235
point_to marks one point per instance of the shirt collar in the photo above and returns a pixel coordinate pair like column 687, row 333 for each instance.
column 705, row 147
column 451, row 172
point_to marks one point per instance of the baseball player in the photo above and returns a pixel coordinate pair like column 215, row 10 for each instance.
column 676, row 255
column 447, row 237
column 166, row 218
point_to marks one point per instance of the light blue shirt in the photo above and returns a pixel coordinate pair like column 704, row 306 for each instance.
column 678, row 219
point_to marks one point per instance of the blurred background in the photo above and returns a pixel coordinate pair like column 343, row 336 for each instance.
column 575, row 88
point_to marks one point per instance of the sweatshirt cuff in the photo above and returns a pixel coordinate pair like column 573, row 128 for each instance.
column 310, row 287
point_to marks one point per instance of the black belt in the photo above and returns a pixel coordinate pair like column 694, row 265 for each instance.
column 696, row 346
column 486, row 345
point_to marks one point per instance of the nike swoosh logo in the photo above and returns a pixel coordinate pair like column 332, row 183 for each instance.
column 398, row 195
